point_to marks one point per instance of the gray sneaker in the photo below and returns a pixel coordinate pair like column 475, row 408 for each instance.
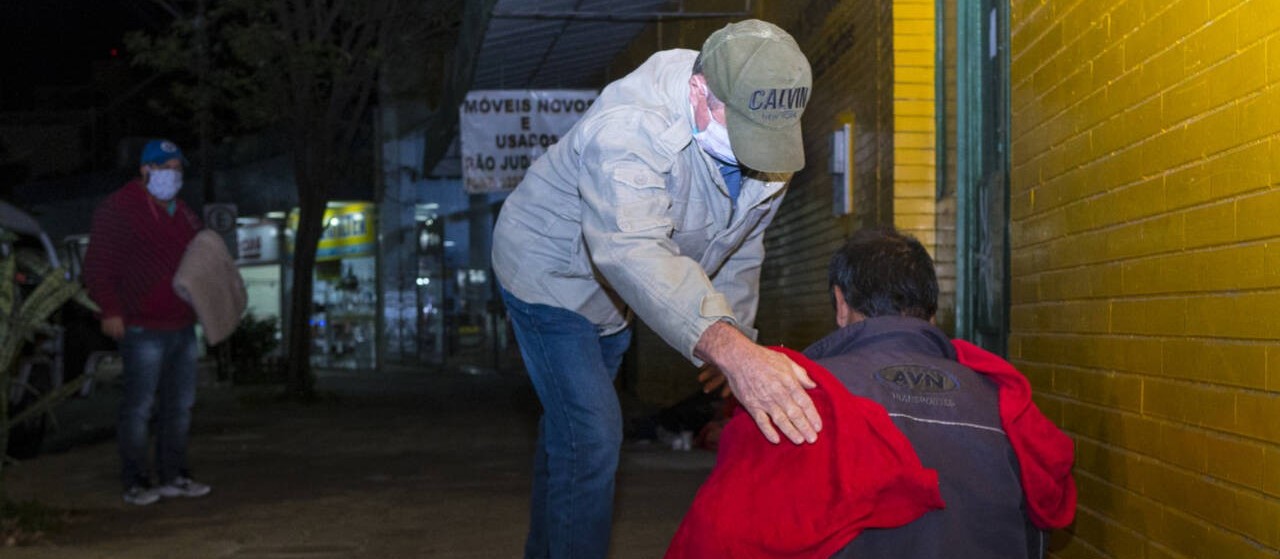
column 183, row 487
column 141, row 496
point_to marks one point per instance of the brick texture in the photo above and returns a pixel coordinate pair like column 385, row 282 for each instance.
column 1146, row 264
column 850, row 46
column 914, row 121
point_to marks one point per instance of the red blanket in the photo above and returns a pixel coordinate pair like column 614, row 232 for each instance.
column 792, row 501
column 786, row 500
column 1045, row 454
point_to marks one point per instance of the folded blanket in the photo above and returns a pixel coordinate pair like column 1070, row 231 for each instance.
column 208, row 279
column 1045, row 454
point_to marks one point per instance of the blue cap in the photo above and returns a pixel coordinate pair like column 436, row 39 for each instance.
column 160, row 151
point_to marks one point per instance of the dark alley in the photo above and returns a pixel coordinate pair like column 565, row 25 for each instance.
column 409, row 463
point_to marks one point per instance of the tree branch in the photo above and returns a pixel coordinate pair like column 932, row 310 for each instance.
column 442, row 126
column 168, row 7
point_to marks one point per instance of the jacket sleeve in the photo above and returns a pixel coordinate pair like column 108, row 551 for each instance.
column 627, row 229
column 101, row 261
column 739, row 277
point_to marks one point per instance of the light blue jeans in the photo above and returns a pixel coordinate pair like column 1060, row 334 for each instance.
column 580, row 433
column 159, row 376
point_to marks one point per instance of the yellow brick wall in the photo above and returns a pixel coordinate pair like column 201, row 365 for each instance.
column 1145, row 232
column 876, row 62
column 914, row 121
column 850, row 48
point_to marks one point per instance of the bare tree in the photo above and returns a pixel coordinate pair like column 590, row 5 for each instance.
column 313, row 67
column 332, row 56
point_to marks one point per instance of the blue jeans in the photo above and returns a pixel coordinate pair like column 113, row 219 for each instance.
column 156, row 363
column 580, row 433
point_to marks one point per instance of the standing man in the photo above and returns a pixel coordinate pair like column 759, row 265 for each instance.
column 656, row 203
column 137, row 240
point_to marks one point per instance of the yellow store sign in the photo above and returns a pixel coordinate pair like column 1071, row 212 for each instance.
column 349, row 230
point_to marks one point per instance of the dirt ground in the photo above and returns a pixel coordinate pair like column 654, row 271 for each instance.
column 405, row 464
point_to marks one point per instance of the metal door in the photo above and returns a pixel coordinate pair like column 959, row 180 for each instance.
column 982, row 289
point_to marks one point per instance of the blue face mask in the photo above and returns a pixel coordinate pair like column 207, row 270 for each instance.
column 164, row 184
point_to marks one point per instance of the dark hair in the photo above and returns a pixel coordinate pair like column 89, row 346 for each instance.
column 885, row 273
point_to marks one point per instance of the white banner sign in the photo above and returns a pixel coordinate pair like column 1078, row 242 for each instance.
column 504, row 131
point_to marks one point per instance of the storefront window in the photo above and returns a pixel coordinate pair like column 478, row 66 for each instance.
column 345, row 297
column 440, row 303
column 429, row 283
column 260, row 266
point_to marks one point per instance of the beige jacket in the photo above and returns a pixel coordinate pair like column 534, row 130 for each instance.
column 208, row 279
column 627, row 212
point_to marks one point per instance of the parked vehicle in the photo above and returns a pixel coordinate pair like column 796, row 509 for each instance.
column 33, row 290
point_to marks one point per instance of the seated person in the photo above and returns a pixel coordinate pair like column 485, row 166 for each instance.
column 959, row 425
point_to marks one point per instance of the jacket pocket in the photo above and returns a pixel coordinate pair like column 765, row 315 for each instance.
column 642, row 198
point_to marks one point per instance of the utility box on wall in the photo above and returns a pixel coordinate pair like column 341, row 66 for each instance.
column 842, row 170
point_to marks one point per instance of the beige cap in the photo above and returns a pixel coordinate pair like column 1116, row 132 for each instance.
column 757, row 69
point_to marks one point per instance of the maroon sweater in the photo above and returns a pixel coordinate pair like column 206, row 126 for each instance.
column 134, row 250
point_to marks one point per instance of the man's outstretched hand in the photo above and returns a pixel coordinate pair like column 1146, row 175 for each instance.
column 768, row 384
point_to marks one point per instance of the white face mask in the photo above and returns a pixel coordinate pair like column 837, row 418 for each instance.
column 715, row 139
column 164, row 184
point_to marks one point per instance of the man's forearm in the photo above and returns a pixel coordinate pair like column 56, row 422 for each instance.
column 720, row 343
column 768, row 384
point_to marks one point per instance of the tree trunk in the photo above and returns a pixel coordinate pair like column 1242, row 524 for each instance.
column 301, row 379
column 329, row 105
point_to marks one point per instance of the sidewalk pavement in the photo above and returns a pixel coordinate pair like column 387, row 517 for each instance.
column 402, row 464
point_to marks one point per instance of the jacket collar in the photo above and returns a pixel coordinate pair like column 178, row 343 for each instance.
column 675, row 87
column 901, row 332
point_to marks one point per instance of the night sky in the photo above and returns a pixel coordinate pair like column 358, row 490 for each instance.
column 55, row 42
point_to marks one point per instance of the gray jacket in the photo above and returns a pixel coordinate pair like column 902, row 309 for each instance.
column 951, row 415
column 626, row 211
